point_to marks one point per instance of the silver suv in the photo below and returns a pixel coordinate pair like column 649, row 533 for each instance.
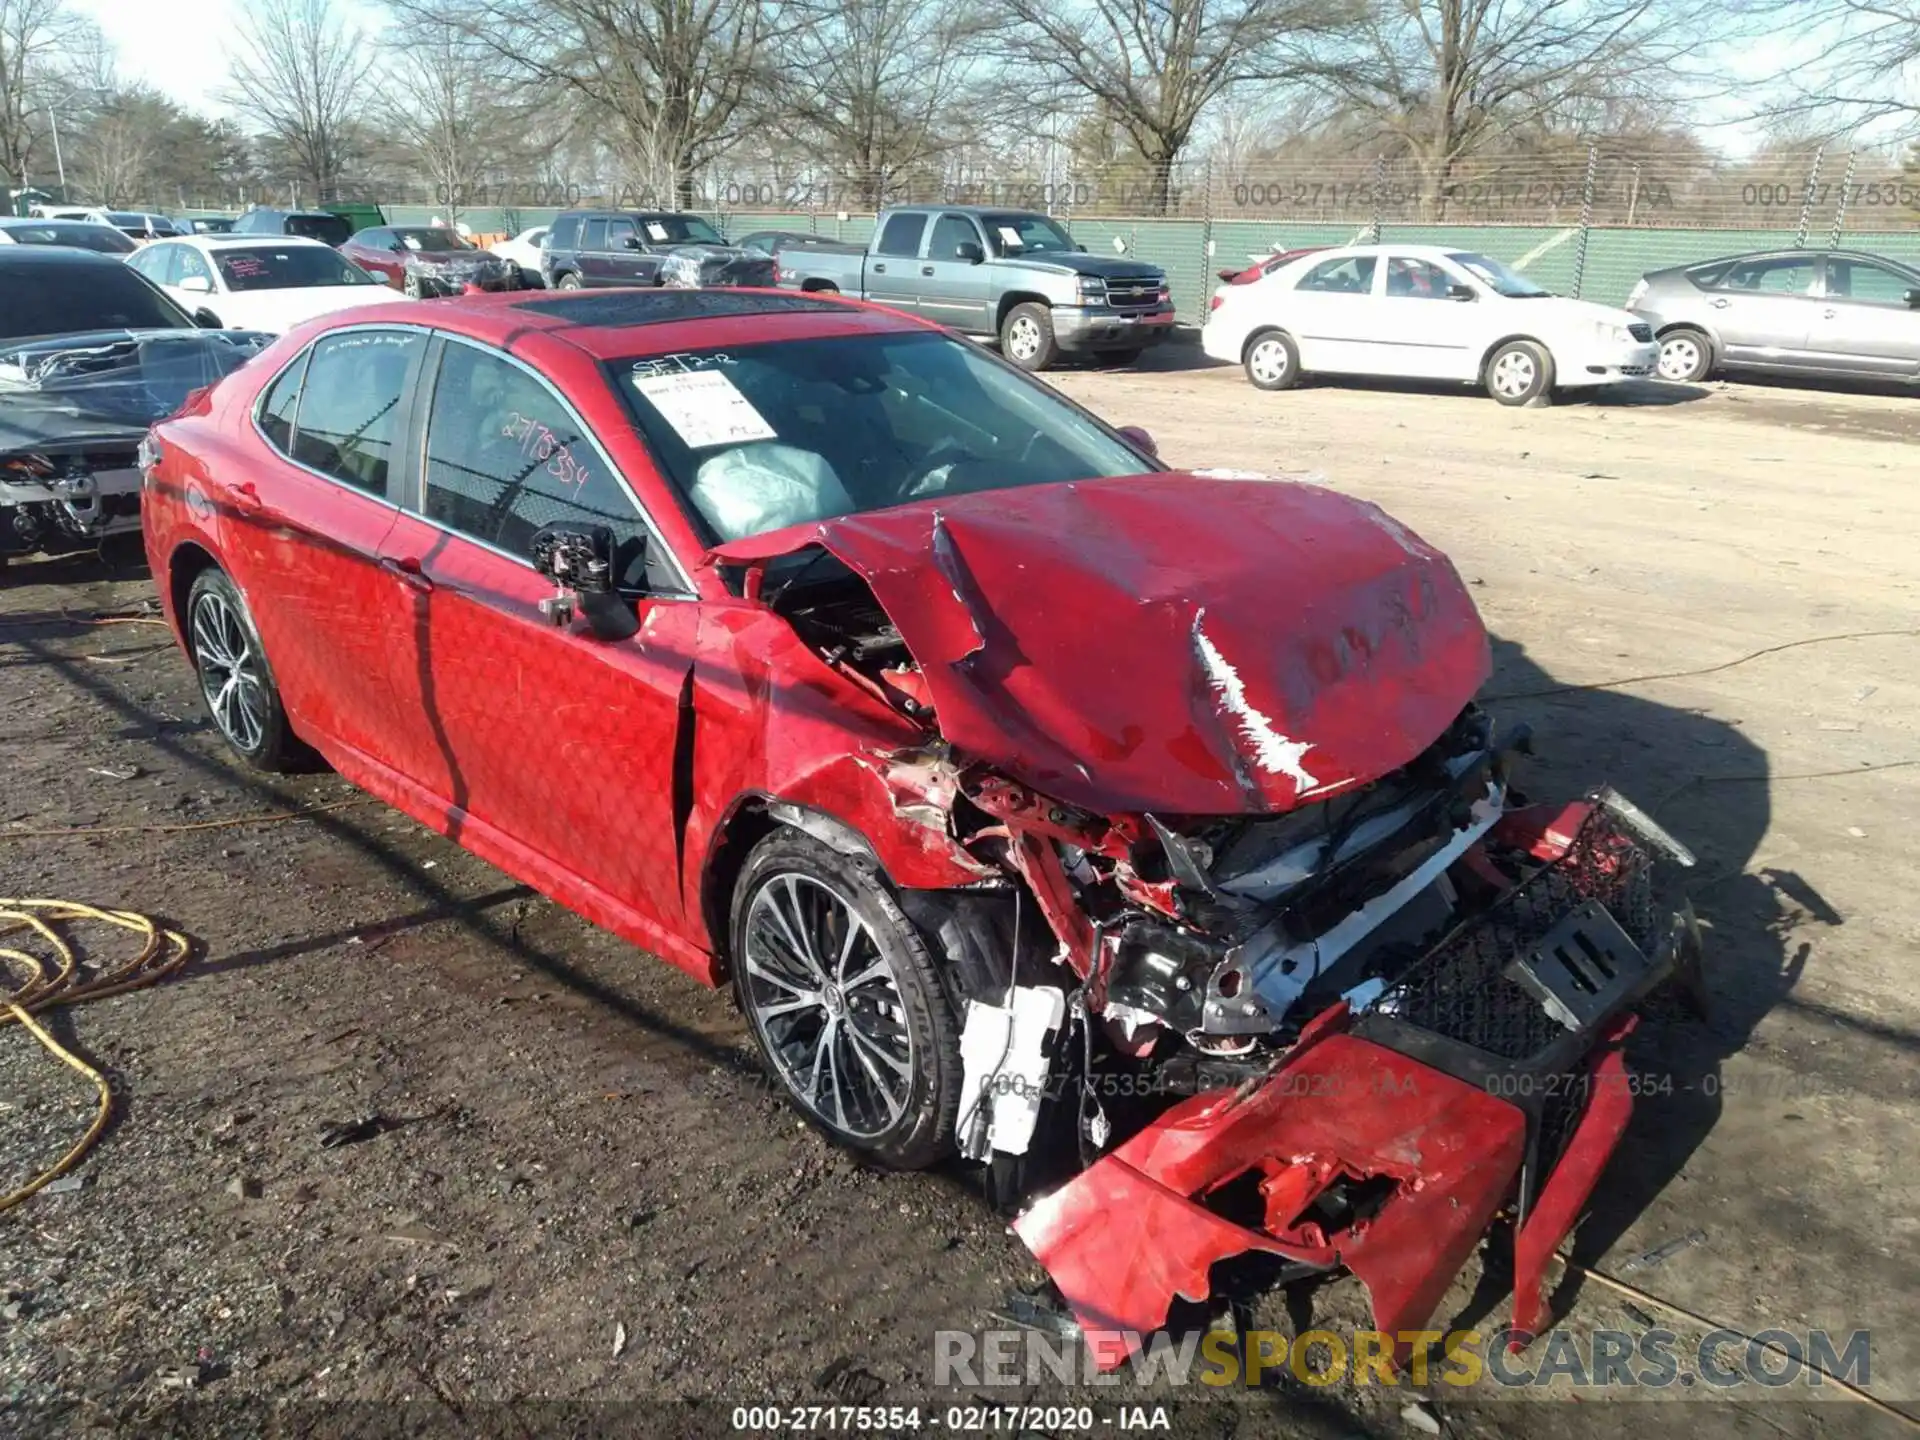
column 1812, row 312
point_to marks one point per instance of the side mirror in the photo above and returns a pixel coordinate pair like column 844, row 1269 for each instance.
column 1913, row 299
column 1139, row 439
column 630, row 242
column 1458, row 291
column 969, row 251
column 199, row 284
column 206, row 319
column 579, row 561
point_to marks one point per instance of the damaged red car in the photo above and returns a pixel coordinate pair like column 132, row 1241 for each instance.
column 1132, row 833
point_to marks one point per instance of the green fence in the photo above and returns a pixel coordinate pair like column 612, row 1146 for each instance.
column 1192, row 251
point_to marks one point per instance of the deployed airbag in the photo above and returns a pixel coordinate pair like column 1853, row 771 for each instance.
column 755, row 488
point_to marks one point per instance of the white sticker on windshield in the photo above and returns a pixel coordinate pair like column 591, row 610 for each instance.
column 1010, row 236
column 704, row 407
column 656, row 231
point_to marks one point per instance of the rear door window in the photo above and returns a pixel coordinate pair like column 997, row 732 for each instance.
column 595, row 235
column 565, row 231
column 1347, row 275
column 902, row 235
column 351, row 409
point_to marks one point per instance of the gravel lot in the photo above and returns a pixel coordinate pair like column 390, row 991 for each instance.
column 587, row 1212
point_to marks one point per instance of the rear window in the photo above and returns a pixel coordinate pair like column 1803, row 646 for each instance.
column 72, row 299
column 330, row 228
column 566, row 230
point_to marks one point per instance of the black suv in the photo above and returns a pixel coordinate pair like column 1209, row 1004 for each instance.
column 593, row 248
column 310, row 224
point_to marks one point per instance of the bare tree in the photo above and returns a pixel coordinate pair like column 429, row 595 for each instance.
column 444, row 95
column 1153, row 67
column 303, row 69
column 43, row 46
column 1444, row 80
column 671, row 80
column 882, row 85
column 1859, row 79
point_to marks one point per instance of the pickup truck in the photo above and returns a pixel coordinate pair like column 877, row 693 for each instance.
column 1012, row 274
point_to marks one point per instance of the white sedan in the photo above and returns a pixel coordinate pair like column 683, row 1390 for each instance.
column 524, row 251
column 258, row 282
column 1423, row 312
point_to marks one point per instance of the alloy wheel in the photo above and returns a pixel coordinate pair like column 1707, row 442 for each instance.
column 229, row 669
column 1679, row 358
column 827, row 1005
column 1514, row 373
column 1023, row 338
column 1268, row 361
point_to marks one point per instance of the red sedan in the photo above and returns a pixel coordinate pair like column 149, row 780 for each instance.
column 1018, row 784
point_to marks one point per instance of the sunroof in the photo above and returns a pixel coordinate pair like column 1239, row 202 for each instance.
column 660, row 307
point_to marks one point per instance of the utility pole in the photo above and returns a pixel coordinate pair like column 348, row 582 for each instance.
column 58, row 164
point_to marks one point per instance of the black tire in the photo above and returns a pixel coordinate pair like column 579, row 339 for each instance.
column 569, row 281
column 1518, row 372
column 1271, row 360
column 1686, row 356
column 903, row 1016
column 1026, row 336
column 268, row 743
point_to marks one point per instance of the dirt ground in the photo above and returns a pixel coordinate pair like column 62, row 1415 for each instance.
column 590, row 1215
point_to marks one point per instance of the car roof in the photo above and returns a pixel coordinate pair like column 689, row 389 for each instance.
column 244, row 242
column 9, row 221
column 621, row 323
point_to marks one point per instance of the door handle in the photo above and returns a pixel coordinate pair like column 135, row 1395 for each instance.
column 926, row 270
column 879, row 269
column 1721, row 304
column 246, row 498
column 406, row 569
column 1828, row 314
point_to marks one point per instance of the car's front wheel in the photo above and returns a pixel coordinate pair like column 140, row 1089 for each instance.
column 1519, row 371
column 844, row 1002
column 1026, row 337
column 235, row 679
column 1685, row 356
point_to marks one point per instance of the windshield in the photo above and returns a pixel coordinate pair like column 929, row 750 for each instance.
column 760, row 437
column 1499, row 278
column 74, row 299
column 68, row 232
column 330, row 228
column 293, row 267
column 1025, row 234
column 429, row 239
column 678, row 230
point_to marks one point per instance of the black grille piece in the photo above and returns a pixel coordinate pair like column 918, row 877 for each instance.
column 1462, row 989
column 1642, row 333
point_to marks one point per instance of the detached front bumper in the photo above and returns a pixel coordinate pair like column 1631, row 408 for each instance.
column 1098, row 327
column 1489, row 1076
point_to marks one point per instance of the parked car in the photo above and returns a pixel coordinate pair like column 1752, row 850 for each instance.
column 90, row 356
column 771, row 242
column 1251, row 274
column 259, row 282
column 1423, row 312
column 523, row 250
column 204, row 224
column 1838, row 313
column 425, row 260
column 138, row 225
column 589, row 249
column 320, row 225
column 1014, row 275
column 817, row 650
column 79, row 234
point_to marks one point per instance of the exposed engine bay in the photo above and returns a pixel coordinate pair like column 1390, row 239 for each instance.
column 1191, row 1035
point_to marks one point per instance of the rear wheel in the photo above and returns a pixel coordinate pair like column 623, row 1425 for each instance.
column 1685, row 356
column 1026, row 337
column 844, row 1002
column 569, row 282
column 1272, row 361
column 1519, row 371
column 235, row 679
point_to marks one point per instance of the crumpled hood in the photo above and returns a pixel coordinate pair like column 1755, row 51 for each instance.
column 63, row 390
column 1168, row 642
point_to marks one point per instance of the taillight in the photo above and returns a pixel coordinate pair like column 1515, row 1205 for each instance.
column 1214, row 302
